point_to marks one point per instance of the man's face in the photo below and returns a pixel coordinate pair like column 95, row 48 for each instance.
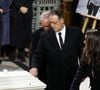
column 56, row 23
column 45, row 24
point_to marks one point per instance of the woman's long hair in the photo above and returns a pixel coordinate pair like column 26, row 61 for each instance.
column 91, row 52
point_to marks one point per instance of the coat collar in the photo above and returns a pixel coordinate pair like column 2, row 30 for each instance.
column 55, row 42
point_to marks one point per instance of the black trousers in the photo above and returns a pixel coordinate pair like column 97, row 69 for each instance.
column 92, row 9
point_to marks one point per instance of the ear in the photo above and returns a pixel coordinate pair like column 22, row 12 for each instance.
column 62, row 20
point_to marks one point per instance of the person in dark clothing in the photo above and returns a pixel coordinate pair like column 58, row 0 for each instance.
column 44, row 26
column 21, row 26
column 5, row 32
column 61, row 61
column 90, row 62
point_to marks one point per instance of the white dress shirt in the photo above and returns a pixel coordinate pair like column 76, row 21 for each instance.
column 63, row 32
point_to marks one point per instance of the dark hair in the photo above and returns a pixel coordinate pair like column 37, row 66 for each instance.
column 91, row 52
column 57, row 12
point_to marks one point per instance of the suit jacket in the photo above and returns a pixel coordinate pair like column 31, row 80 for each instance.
column 61, row 65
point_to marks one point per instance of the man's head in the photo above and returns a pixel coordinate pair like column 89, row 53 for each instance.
column 44, row 20
column 56, row 19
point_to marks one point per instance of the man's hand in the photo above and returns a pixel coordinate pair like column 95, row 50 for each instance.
column 23, row 10
column 1, row 10
column 34, row 71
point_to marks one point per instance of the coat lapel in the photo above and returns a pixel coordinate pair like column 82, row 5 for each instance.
column 54, row 41
column 66, row 39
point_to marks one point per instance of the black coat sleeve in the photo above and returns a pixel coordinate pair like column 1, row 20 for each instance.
column 35, row 41
column 17, row 4
column 81, row 74
column 38, row 54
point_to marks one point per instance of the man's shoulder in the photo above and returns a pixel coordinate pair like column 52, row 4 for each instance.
column 74, row 29
column 45, row 33
column 38, row 31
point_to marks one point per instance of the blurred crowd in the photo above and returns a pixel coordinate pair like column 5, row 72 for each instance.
column 15, row 28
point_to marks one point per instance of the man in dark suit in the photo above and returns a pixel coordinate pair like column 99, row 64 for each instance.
column 60, row 55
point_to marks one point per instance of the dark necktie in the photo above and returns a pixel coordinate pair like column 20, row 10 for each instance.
column 60, row 39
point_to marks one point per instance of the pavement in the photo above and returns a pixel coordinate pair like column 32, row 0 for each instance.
column 10, row 66
column 14, row 65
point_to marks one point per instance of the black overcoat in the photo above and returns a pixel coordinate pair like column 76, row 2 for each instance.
column 86, row 70
column 35, row 40
column 61, row 65
column 21, row 24
column 0, row 27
